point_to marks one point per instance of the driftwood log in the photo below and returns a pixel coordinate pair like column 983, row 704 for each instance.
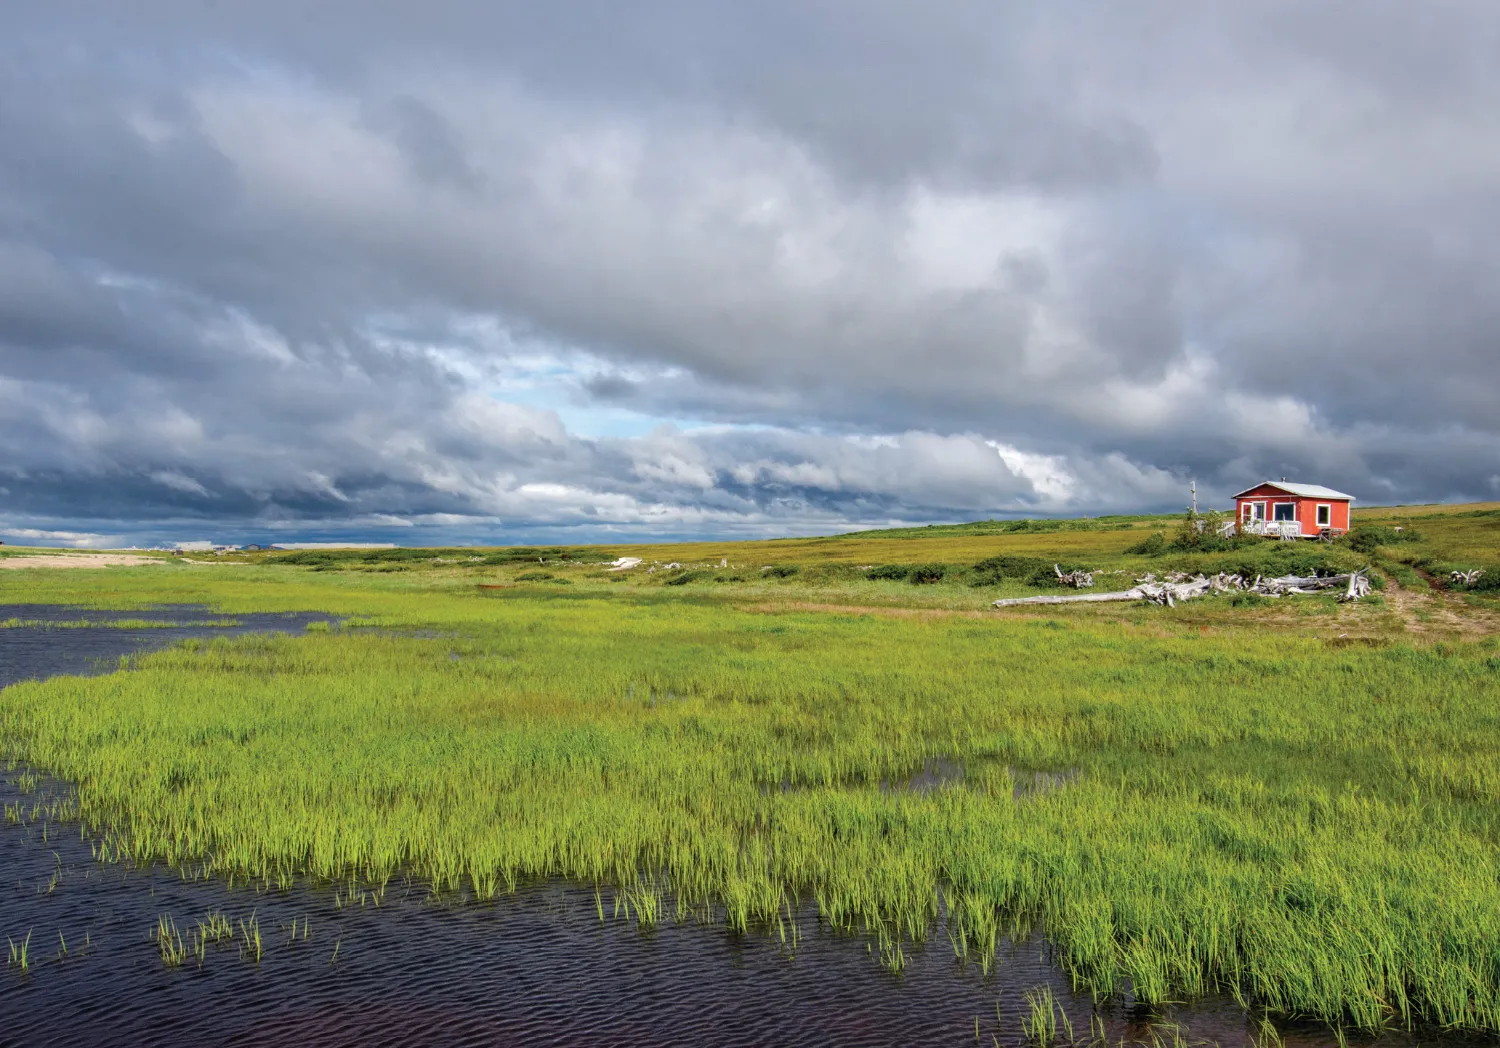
column 1355, row 585
column 1468, row 578
column 1161, row 593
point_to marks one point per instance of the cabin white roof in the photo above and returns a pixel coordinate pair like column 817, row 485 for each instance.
column 1306, row 491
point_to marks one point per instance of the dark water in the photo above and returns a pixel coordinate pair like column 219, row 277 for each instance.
column 535, row 968
column 33, row 653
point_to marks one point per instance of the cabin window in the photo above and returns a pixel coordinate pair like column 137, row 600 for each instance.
column 1255, row 511
column 1285, row 511
column 1325, row 516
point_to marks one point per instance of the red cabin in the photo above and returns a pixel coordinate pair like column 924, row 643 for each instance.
column 1292, row 511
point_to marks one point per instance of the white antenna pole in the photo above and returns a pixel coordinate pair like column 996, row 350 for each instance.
column 1195, row 498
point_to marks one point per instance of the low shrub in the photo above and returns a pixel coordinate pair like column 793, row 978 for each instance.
column 1263, row 557
column 926, row 574
column 1153, row 545
column 1046, row 577
column 534, row 576
column 992, row 571
column 1200, row 533
column 379, row 556
column 688, row 576
column 889, row 571
column 831, row 574
column 781, row 571
column 1010, row 567
column 1489, row 582
column 517, row 554
column 312, row 557
column 1366, row 537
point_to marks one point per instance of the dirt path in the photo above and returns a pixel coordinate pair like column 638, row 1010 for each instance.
column 1439, row 610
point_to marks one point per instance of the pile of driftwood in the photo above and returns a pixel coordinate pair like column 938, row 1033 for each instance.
column 1355, row 585
column 1178, row 587
column 1468, row 578
column 1076, row 579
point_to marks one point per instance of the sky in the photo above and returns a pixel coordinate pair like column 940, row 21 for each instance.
column 583, row 271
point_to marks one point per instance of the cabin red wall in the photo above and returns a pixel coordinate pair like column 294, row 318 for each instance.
column 1307, row 509
column 1341, row 515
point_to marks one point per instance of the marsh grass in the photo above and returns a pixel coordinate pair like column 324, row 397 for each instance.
column 1202, row 844
column 19, row 956
column 250, row 942
column 169, row 944
column 1046, row 1023
column 1250, row 811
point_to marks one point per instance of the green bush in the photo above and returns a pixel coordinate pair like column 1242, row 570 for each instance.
column 1200, row 533
column 1489, row 582
column 1367, row 537
column 534, row 576
column 516, row 554
column 889, row 571
column 992, row 571
column 688, row 576
column 926, row 574
column 312, row 557
column 379, row 556
column 1011, row 567
column 1046, row 577
column 1153, row 545
column 781, row 571
column 1270, row 558
column 1043, row 578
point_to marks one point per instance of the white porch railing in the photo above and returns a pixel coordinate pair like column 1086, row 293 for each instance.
column 1281, row 529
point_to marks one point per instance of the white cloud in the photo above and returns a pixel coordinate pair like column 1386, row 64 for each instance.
column 179, row 482
column 1046, row 473
column 74, row 539
column 428, row 270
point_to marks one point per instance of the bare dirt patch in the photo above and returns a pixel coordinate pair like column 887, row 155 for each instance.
column 1438, row 612
column 77, row 560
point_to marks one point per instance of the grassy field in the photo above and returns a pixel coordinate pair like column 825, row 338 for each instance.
column 1293, row 802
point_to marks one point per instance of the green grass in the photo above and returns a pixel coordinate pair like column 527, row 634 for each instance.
column 1311, row 826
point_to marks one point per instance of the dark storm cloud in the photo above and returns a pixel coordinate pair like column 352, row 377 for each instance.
column 281, row 262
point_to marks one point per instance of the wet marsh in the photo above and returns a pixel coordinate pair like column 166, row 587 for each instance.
column 1180, row 812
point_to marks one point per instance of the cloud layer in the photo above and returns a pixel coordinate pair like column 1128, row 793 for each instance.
column 692, row 269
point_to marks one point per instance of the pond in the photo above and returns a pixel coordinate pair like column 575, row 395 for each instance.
column 539, row 967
